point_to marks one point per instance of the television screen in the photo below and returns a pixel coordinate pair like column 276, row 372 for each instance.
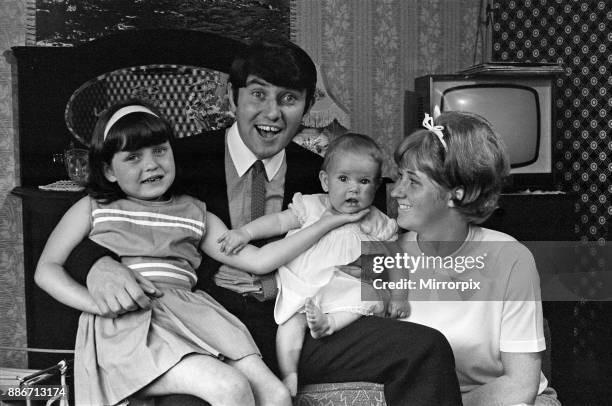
column 518, row 106
column 513, row 110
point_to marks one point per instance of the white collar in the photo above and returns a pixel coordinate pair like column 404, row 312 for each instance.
column 243, row 158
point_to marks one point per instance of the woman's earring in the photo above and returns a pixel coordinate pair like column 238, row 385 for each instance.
column 459, row 193
column 456, row 196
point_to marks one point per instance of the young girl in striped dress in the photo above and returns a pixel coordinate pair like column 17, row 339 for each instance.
column 185, row 342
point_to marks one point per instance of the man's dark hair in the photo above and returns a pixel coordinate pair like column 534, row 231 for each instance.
column 281, row 63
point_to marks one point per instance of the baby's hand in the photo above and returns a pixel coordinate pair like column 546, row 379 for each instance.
column 398, row 308
column 233, row 241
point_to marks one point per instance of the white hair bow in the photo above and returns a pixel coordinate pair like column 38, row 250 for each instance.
column 428, row 123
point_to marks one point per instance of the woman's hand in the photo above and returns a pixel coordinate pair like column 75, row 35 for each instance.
column 232, row 241
column 398, row 308
column 353, row 270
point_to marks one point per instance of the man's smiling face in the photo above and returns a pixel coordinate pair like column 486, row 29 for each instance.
column 268, row 116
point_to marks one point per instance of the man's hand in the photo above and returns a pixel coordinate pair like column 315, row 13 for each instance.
column 232, row 241
column 117, row 290
column 398, row 308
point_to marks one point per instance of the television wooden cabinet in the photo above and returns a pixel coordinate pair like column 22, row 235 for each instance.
column 535, row 216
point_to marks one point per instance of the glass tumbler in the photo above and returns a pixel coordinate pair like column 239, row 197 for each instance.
column 77, row 164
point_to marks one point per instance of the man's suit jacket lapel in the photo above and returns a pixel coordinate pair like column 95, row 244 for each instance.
column 201, row 161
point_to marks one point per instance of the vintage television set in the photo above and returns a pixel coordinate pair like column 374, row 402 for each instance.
column 520, row 108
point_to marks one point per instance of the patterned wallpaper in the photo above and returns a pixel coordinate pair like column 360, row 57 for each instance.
column 578, row 35
column 371, row 51
column 12, row 299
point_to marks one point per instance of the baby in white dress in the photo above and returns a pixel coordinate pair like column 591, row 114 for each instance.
column 313, row 291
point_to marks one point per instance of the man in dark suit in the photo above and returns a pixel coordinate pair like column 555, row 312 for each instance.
column 271, row 88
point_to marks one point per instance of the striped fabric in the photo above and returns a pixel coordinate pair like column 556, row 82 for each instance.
column 146, row 269
column 159, row 240
column 147, row 219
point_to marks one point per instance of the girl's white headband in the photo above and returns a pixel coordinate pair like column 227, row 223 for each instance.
column 123, row 112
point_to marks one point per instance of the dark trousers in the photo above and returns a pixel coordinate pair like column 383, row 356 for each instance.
column 415, row 363
column 258, row 317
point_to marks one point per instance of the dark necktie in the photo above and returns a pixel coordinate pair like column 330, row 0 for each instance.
column 258, row 200
column 258, row 190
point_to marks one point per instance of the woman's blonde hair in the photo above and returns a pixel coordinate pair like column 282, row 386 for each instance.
column 474, row 159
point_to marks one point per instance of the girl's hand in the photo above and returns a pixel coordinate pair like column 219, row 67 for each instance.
column 398, row 308
column 232, row 241
column 338, row 219
column 374, row 220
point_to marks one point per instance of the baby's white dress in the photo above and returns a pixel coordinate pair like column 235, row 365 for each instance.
column 314, row 273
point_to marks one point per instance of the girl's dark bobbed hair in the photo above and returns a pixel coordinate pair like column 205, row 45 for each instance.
column 131, row 132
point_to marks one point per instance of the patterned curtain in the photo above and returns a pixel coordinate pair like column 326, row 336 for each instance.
column 14, row 19
column 371, row 51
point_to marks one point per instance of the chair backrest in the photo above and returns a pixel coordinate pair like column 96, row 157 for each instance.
column 193, row 99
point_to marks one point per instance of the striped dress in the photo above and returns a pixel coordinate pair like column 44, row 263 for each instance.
column 117, row 357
